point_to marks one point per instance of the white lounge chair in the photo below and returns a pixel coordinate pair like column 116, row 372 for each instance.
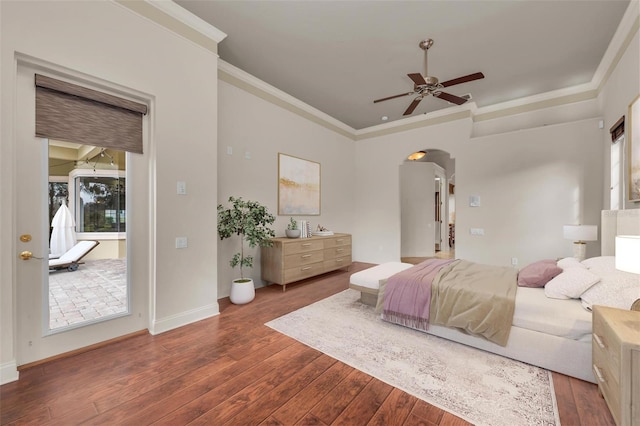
column 71, row 259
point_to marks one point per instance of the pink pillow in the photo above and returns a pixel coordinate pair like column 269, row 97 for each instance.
column 538, row 273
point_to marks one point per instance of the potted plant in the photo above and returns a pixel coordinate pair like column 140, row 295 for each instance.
column 292, row 230
column 250, row 221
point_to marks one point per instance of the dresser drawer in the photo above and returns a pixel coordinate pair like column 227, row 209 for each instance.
column 303, row 258
column 337, row 241
column 607, row 381
column 337, row 263
column 605, row 344
column 303, row 245
column 339, row 251
column 304, row 271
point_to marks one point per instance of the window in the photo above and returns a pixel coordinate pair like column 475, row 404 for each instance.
column 616, row 173
column 58, row 194
column 99, row 200
column 617, row 161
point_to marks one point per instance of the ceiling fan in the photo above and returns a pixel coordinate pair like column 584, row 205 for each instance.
column 429, row 85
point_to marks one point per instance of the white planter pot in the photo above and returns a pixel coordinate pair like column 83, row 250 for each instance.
column 292, row 233
column 242, row 292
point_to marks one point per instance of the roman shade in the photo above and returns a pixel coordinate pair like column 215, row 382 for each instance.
column 73, row 113
column 617, row 129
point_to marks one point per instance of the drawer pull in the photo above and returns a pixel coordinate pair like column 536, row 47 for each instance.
column 339, row 249
column 306, row 244
column 598, row 373
column 305, row 256
column 339, row 260
column 339, row 241
column 306, row 269
column 599, row 341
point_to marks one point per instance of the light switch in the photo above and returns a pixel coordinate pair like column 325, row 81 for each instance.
column 474, row 201
column 229, row 150
column 181, row 242
column 476, row 231
column 182, row 188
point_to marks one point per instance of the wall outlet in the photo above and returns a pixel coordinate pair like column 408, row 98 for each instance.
column 514, row 261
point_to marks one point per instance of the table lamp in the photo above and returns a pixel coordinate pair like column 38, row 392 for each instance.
column 628, row 258
column 628, row 253
column 580, row 234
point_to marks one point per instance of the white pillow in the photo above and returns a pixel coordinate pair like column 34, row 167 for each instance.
column 601, row 265
column 570, row 262
column 570, row 284
column 618, row 290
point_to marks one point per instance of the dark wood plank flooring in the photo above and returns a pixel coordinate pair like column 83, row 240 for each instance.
column 232, row 369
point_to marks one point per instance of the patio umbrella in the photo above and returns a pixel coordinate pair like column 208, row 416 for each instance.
column 63, row 236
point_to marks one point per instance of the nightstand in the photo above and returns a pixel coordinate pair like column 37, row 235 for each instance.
column 616, row 361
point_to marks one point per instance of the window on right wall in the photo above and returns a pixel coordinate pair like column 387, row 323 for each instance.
column 617, row 165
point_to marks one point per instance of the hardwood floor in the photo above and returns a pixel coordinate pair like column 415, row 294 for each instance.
column 232, row 369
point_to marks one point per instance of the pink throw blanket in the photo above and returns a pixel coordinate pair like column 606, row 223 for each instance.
column 407, row 295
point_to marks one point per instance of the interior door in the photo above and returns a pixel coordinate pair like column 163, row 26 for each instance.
column 34, row 340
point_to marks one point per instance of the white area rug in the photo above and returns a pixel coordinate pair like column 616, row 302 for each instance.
column 480, row 387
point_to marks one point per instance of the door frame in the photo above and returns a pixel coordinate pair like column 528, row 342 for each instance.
column 140, row 279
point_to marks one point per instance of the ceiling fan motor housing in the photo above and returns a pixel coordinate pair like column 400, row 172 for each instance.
column 431, row 81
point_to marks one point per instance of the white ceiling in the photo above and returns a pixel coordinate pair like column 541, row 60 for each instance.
column 338, row 56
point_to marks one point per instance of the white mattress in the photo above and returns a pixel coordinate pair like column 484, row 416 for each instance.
column 562, row 318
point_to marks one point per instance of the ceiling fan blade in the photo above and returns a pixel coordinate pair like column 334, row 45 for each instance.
column 449, row 97
column 418, row 79
column 460, row 80
column 413, row 105
column 393, row 97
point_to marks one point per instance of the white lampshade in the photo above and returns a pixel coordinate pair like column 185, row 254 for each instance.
column 628, row 253
column 580, row 232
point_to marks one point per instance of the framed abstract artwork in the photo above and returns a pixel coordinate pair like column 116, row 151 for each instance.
column 634, row 150
column 298, row 186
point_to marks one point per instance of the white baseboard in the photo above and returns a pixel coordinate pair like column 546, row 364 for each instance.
column 8, row 372
column 183, row 318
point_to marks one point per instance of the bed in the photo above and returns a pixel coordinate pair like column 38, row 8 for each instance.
column 550, row 325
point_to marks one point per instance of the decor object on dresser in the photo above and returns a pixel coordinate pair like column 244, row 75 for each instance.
column 292, row 230
column 287, row 260
column 616, row 361
column 580, row 234
column 250, row 221
column 298, row 186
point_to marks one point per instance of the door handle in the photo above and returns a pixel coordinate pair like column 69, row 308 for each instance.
column 26, row 255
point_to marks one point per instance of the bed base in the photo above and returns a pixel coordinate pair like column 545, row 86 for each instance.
column 566, row 356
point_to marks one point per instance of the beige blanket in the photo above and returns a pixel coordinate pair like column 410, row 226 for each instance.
column 477, row 299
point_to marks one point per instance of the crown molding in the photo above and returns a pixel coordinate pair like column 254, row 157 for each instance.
column 177, row 19
column 243, row 80
column 625, row 32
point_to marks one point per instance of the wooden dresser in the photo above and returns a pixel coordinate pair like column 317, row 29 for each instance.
column 616, row 361
column 294, row 259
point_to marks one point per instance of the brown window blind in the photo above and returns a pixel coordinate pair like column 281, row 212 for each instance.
column 617, row 129
column 73, row 113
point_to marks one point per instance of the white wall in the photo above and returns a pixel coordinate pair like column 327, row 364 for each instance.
column 248, row 123
column 622, row 87
column 109, row 42
column 530, row 183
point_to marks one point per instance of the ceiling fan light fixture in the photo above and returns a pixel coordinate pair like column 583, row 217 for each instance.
column 417, row 155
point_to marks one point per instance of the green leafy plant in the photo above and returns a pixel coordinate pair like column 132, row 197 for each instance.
column 292, row 224
column 249, row 220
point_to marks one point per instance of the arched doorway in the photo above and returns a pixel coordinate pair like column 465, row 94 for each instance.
column 427, row 206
